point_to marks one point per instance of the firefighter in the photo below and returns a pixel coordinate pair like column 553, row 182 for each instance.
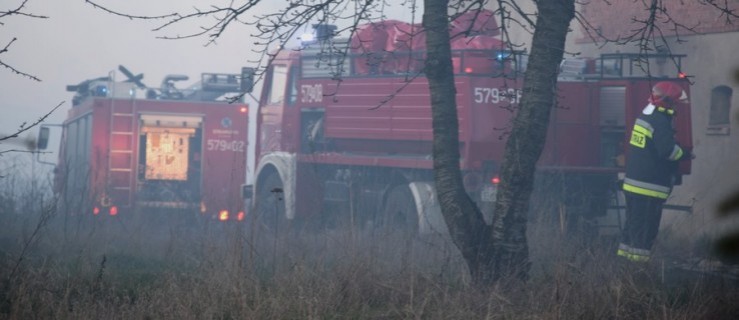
column 651, row 170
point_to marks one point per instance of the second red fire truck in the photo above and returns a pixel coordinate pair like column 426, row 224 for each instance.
column 360, row 147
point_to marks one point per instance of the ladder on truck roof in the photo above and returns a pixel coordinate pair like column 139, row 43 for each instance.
column 121, row 162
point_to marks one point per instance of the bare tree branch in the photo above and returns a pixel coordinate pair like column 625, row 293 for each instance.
column 130, row 16
column 23, row 128
column 13, row 69
column 18, row 12
column 726, row 12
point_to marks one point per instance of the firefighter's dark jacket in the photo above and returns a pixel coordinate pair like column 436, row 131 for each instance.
column 653, row 154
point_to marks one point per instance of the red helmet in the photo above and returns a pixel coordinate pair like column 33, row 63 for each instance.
column 667, row 94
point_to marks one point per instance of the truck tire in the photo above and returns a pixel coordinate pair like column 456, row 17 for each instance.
column 399, row 212
column 269, row 217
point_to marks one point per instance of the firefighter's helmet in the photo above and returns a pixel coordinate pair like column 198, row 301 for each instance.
column 668, row 94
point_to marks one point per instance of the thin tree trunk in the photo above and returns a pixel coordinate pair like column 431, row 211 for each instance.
column 465, row 221
column 527, row 138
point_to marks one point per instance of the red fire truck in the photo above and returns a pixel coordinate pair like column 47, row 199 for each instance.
column 344, row 125
column 126, row 147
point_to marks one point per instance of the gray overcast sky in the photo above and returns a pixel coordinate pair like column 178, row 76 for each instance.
column 78, row 42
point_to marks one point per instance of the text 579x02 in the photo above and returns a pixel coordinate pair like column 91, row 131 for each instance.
column 225, row 145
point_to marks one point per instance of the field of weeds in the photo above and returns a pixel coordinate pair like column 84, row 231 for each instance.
column 58, row 265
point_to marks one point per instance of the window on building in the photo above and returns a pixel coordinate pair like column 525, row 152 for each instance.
column 720, row 115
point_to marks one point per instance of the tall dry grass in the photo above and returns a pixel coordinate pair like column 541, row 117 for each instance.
column 156, row 266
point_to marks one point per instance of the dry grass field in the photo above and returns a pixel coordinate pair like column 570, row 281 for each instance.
column 60, row 265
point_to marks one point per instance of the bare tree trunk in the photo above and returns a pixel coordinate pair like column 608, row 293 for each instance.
column 527, row 138
column 464, row 220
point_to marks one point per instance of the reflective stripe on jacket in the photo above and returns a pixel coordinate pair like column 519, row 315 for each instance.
column 653, row 154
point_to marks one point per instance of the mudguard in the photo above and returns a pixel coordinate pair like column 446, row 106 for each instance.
column 430, row 219
column 286, row 165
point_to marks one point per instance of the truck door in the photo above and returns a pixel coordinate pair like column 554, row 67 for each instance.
column 272, row 108
column 169, row 160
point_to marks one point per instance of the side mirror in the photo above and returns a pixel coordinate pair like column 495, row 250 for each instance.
column 43, row 138
column 247, row 79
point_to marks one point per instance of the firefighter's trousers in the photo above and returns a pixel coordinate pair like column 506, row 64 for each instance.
column 643, row 215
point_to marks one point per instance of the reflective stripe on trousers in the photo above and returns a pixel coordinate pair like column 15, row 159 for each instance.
column 646, row 188
column 633, row 254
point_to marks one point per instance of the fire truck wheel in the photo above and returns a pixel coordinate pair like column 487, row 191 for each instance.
column 269, row 215
column 399, row 212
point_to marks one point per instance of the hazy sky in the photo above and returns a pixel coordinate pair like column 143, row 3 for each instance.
column 78, row 42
